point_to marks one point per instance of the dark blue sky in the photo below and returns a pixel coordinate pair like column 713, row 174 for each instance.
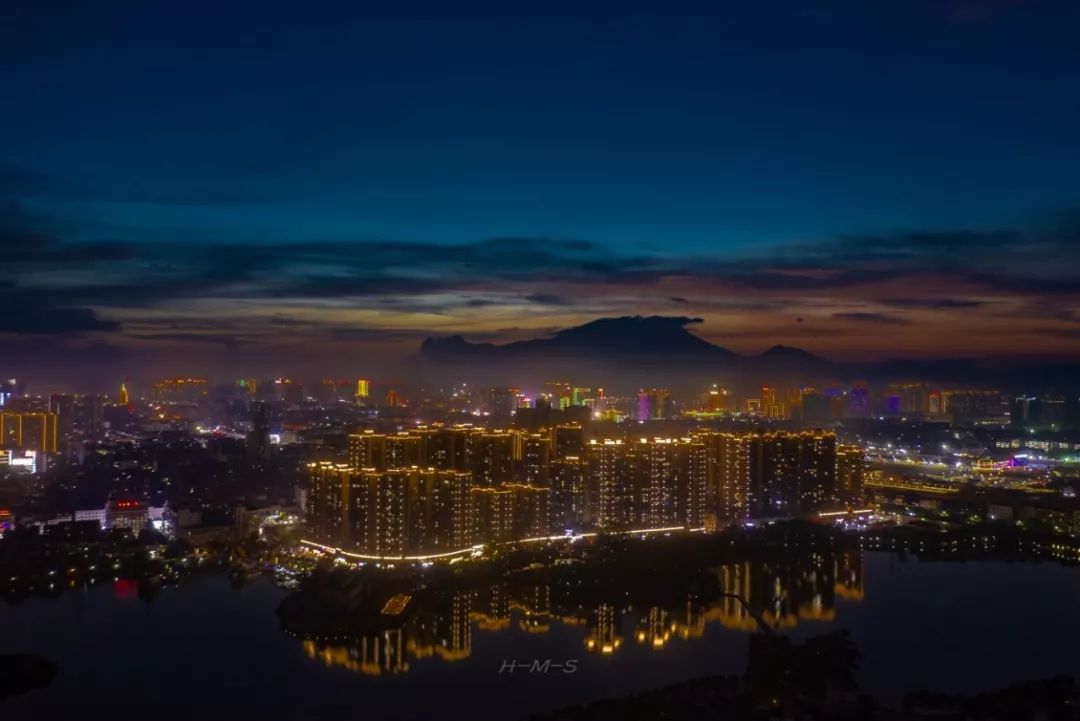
column 154, row 156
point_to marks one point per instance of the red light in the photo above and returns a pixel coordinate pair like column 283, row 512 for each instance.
column 125, row 590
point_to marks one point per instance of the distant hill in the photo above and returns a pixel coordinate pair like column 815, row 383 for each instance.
column 626, row 340
column 662, row 350
column 652, row 347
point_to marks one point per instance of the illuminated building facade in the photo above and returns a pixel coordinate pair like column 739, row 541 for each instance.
column 653, row 404
column 909, row 398
column 770, row 474
column 675, row 473
column 771, row 406
column 493, row 514
column 30, row 431
column 447, row 448
column 568, row 493
column 569, row 440
column 717, row 400
column 180, row 389
column 491, row 457
column 536, row 458
column 510, row 511
column 613, row 475
column 132, row 515
column 379, row 451
column 969, row 405
column 849, row 474
column 650, row 482
column 389, row 512
column 332, row 390
column 9, row 388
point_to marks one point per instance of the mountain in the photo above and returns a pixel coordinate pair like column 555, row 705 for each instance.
column 661, row 350
column 630, row 349
column 627, row 340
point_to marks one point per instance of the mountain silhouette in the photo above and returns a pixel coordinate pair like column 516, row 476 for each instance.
column 634, row 349
column 626, row 339
column 654, row 349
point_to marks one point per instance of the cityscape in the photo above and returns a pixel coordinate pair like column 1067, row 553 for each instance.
column 567, row 362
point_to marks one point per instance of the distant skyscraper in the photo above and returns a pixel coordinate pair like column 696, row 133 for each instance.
column 1025, row 411
column 716, row 400
column 30, row 431
column 258, row 440
column 568, row 493
column 63, row 405
column 122, row 396
column 180, row 389
column 859, row 402
column 363, row 389
column 502, row 402
column 8, row 390
column 910, row 398
column 849, row 473
column 815, row 407
column 653, row 404
column 967, row 405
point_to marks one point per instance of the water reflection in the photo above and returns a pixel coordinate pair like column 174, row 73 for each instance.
column 442, row 623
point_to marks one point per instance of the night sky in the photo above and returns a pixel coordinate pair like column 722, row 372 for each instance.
column 187, row 187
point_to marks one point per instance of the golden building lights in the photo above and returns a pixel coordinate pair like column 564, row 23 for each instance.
column 29, row 431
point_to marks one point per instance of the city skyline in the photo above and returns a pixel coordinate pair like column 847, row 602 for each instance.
column 285, row 194
column 562, row 361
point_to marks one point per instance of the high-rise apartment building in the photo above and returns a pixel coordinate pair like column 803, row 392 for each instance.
column 849, row 473
column 569, row 509
column 770, row 474
column 389, row 512
column 30, row 431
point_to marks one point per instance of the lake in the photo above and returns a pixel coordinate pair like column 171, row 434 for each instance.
column 207, row 647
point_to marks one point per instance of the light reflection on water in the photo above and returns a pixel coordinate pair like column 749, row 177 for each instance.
column 959, row 627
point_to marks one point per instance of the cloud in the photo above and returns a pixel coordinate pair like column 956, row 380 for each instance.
column 321, row 288
column 547, row 299
column 1068, row 333
column 44, row 312
column 815, row 278
column 229, row 341
column 21, row 317
column 880, row 318
column 932, row 303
